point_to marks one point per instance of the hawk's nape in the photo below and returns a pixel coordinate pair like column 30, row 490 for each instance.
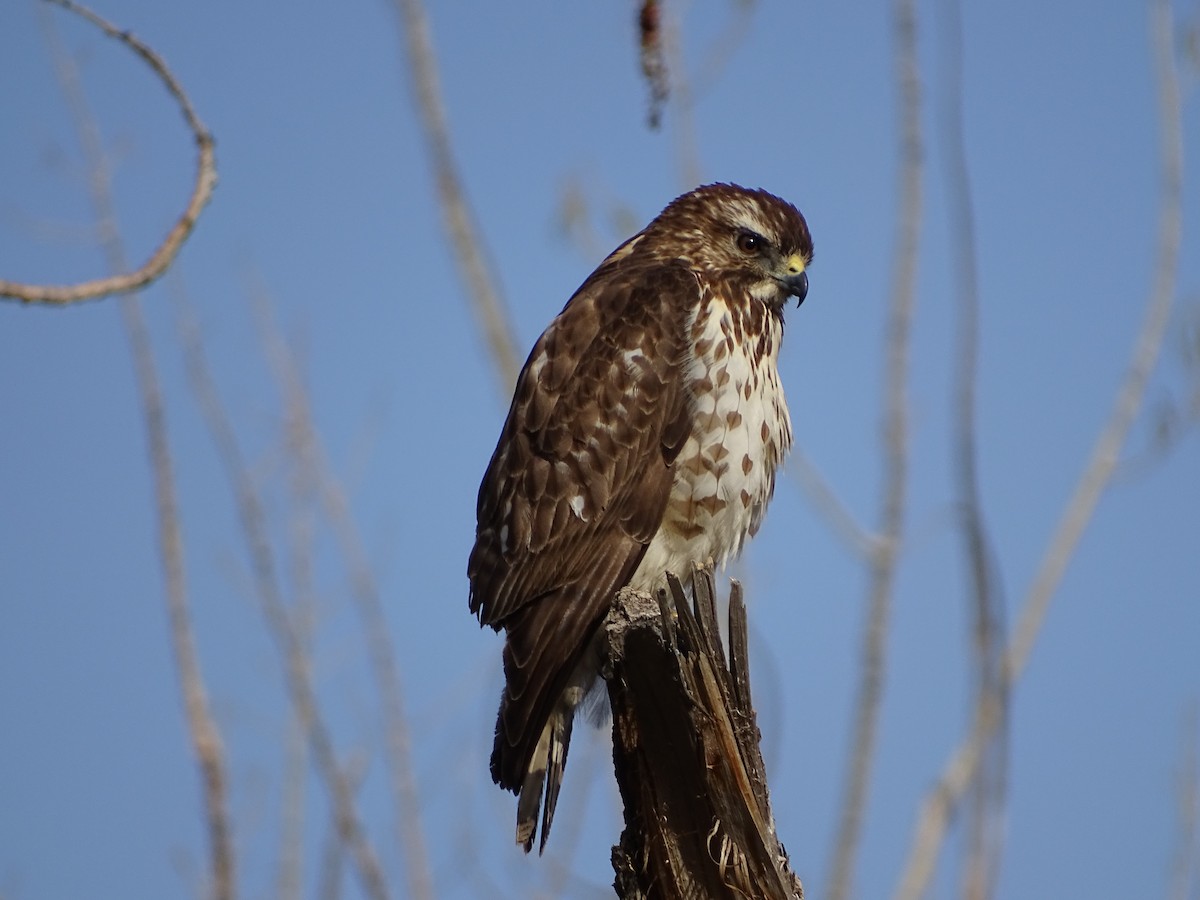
column 643, row 435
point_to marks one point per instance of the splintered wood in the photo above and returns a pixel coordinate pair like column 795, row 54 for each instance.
column 698, row 821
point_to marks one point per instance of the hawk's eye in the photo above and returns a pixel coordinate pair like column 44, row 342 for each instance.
column 749, row 242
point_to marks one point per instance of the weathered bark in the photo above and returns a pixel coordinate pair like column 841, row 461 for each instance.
column 698, row 821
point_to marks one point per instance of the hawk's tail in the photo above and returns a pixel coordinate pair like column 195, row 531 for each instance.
column 549, row 664
column 544, row 777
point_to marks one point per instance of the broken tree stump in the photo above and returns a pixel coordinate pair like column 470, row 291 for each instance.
column 698, row 821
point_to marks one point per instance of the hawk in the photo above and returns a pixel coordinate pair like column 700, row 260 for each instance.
column 644, row 434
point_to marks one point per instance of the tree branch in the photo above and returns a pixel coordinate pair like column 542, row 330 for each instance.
column 933, row 821
column 883, row 561
column 830, row 506
column 468, row 244
column 1104, row 456
column 297, row 673
column 381, row 654
column 1185, row 865
column 984, row 601
column 202, row 726
column 161, row 259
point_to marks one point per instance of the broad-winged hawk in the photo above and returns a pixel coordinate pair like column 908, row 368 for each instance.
column 643, row 436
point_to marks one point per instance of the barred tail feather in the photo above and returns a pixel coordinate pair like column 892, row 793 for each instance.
column 529, row 797
column 559, row 728
column 550, row 662
column 542, row 782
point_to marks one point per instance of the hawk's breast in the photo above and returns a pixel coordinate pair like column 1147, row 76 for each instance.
column 725, row 473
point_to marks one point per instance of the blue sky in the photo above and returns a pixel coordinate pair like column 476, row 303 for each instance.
column 326, row 201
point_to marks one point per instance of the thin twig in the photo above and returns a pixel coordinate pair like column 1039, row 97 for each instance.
column 895, row 452
column 302, row 521
column 942, row 802
column 936, row 812
column 1185, row 867
column 161, row 259
column 1105, row 454
column 202, row 727
column 329, row 880
column 297, row 675
column 574, row 217
column 730, row 38
column 289, row 879
column 830, row 506
column 365, row 592
column 687, row 148
column 985, row 606
column 466, row 240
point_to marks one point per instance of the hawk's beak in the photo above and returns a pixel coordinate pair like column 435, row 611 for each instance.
column 796, row 280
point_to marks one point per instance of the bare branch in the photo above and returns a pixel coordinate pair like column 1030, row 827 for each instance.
column 574, row 218
column 830, row 506
column 684, row 106
column 301, row 554
column 895, row 452
column 1104, row 456
column 161, row 259
column 289, row 880
column 329, row 880
column 1185, row 868
column 942, row 802
column 730, row 38
column 985, row 605
column 202, row 727
column 467, row 242
column 933, row 820
column 365, row 591
column 297, row 675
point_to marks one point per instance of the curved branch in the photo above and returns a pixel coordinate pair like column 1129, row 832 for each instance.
column 203, row 730
column 161, row 259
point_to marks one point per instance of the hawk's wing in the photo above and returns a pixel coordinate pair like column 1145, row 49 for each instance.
column 578, row 483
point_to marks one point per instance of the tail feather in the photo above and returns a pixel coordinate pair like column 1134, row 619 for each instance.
column 543, row 780
column 544, row 646
column 529, row 800
column 550, row 662
column 559, row 728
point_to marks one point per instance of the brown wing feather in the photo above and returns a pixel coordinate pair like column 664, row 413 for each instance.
column 586, row 425
column 578, row 483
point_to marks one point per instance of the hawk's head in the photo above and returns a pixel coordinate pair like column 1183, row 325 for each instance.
column 749, row 237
